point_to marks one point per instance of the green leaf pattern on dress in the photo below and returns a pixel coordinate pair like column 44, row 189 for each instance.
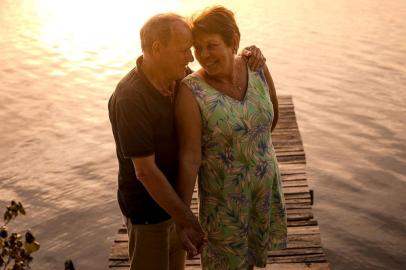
column 242, row 207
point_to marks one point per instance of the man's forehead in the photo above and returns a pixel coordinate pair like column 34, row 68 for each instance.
column 180, row 26
column 181, row 34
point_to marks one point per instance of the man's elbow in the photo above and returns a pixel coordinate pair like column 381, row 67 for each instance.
column 143, row 174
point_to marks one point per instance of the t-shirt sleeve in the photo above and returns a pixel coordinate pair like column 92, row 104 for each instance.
column 134, row 129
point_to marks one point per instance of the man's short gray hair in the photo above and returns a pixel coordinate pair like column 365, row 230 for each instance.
column 158, row 28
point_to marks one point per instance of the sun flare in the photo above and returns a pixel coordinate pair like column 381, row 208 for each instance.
column 82, row 31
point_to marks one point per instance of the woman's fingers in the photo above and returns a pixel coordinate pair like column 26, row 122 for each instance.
column 255, row 58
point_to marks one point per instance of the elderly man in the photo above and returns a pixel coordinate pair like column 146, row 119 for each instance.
column 141, row 113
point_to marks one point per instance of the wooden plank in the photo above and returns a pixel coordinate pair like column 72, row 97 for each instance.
column 294, row 183
column 292, row 159
column 289, row 167
column 296, row 251
column 299, row 223
column 300, row 154
column 296, row 266
column 119, row 251
column 292, row 196
column 308, row 258
column 304, row 230
column 293, row 177
column 304, row 241
column 289, row 153
column 301, row 210
column 300, row 216
column 119, row 264
column 295, row 190
column 121, row 238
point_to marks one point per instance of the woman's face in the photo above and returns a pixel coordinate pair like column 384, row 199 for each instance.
column 213, row 54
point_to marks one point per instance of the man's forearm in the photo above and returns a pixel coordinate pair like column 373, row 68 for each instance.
column 164, row 194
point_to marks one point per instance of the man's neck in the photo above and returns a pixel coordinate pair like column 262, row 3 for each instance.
column 157, row 77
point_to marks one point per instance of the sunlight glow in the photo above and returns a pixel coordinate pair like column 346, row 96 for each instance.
column 76, row 27
column 105, row 31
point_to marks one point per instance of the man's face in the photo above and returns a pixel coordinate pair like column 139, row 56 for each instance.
column 177, row 54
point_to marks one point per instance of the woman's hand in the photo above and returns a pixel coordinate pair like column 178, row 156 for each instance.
column 254, row 57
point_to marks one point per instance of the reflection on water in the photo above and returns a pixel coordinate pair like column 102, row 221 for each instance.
column 343, row 61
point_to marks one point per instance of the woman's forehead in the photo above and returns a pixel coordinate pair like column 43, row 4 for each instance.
column 206, row 38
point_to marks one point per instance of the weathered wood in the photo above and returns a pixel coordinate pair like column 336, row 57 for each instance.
column 304, row 251
column 296, row 251
column 298, row 238
column 298, row 258
column 296, row 266
column 294, row 183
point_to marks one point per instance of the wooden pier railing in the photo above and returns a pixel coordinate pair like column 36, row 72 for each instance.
column 304, row 250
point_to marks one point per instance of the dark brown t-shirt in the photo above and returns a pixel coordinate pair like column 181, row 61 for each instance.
column 142, row 121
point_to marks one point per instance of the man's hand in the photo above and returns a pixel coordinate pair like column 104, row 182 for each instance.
column 187, row 244
column 191, row 235
column 254, row 57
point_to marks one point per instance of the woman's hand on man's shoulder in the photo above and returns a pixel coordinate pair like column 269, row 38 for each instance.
column 253, row 57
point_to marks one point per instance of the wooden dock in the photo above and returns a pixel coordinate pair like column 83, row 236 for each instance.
column 304, row 250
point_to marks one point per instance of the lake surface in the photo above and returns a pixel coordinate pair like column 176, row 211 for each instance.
column 343, row 61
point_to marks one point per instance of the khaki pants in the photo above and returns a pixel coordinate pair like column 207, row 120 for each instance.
column 154, row 246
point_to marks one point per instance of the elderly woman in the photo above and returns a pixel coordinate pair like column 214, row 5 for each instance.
column 225, row 114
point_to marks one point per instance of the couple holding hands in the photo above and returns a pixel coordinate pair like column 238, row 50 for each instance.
column 172, row 125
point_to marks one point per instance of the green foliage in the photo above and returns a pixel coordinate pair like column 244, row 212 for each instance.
column 15, row 249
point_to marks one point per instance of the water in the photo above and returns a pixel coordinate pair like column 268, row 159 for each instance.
column 343, row 61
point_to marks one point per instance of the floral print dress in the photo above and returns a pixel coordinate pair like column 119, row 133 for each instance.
column 241, row 200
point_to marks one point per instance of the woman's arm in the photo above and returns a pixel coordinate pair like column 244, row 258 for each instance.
column 274, row 98
column 189, row 129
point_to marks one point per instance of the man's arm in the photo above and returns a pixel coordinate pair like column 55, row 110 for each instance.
column 162, row 192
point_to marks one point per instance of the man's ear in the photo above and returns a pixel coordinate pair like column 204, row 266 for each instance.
column 156, row 47
column 235, row 43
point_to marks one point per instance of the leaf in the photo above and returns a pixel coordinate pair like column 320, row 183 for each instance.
column 21, row 208
column 31, row 247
